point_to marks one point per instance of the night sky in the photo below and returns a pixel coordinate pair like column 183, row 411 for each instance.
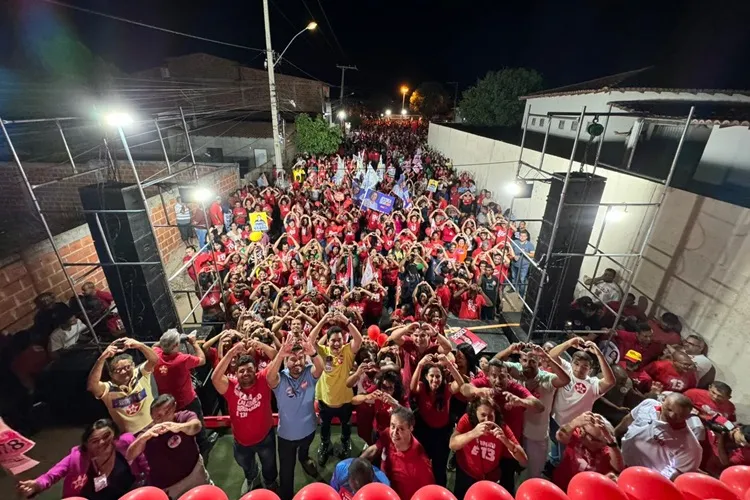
column 410, row 41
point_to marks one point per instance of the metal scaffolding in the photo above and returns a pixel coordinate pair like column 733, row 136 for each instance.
column 169, row 172
column 630, row 270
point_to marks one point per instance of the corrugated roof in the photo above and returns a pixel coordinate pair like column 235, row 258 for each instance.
column 649, row 79
column 722, row 113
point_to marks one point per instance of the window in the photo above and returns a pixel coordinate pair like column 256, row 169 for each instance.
column 561, row 125
column 541, row 122
column 574, row 125
column 533, row 122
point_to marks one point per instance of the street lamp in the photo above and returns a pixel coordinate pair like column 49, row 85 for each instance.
column 403, row 112
column 342, row 115
column 387, row 112
column 404, row 91
column 310, row 27
column 118, row 119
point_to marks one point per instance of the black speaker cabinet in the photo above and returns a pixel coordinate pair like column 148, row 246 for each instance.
column 141, row 292
column 573, row 234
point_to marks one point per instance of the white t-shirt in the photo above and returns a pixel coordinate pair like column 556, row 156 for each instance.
column 536, row 425
column 702, row 365
column 62, row 339
column 652, row 443
column 575, row 398
column 607, row 292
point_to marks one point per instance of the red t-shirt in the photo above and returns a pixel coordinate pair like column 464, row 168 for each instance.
column 702, row 402
column 711, row 462
column 480, row 458
column 513, row 417
column 250, row 410
column 408, row 470
column 578, row 458
column 240, row 215
column 172, row 374
column 448, row 233
column 410, row 352
column 470, row 307
column 428, row 410
column 665, row 372
column 662, row 337
column 627, row 341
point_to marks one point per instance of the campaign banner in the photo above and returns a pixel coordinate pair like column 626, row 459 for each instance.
column 375, row 200
column 432, row 185
column 259, row 221
column 13, row 447
column 464, row 336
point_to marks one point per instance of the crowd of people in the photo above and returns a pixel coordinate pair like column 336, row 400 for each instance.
column 341, row 304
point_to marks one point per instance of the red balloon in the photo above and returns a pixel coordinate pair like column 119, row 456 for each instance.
column 373, row 331
column 697, row 486
column 540, row 489
column 205, row 492
column 260, row 495
column 145, row 493
column 641, row 483
column 74, row 498
column 317, row 491
column 737, row 478
column 590, row 485
column 433, row 492
column 487, row 490
column 376, row 491
column 747, row 495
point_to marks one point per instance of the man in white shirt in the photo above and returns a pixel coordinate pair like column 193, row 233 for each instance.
column 604, row 287
column 542, row 385
column 578, row 396
column 695, row 347
column 66, row 335
column 657, row 436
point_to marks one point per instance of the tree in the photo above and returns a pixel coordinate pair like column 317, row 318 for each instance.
column 430, row 99
column 316, row 136
column 493, row 101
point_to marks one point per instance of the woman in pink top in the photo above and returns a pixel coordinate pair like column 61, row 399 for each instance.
column 95, row 469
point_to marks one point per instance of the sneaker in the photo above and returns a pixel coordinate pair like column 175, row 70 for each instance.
column 346, row 449
column 324, row 453
column 309, row 467
column 250, row 487
column 274, row 486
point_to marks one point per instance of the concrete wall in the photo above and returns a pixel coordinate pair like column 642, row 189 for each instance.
column 35, row 269
column 695, row 264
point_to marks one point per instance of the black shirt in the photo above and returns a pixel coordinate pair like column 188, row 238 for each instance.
column 489, row 286
column 119, row 481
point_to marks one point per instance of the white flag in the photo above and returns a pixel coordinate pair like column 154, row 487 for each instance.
column 368, row 275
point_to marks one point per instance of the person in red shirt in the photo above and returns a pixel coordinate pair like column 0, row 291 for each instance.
column 675, row 375
column 590, row 445
column 388, row 394
column 714, row 404
column 472, row 300
column 511, row 397
column 239, row 214
column 725, row 449
column 248, row 397
column 480, row 440
column 402, row 458
column 172, row 375
column 433, row 394
column 215, row 212
column 640, row 341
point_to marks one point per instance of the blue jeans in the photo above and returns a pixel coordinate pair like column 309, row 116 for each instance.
column 520, row 277
column 266, row 451
column 557, row 449
column 201, row 233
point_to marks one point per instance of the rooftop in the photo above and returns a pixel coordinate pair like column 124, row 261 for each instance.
column 721, row 113
column 649, row 79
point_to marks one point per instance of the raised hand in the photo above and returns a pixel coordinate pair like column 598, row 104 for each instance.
column 483, row 428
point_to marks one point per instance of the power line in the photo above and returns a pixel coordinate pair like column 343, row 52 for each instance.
column 325, row 16
column 151, row 26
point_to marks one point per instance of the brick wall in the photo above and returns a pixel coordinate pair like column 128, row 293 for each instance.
column 251, row 84
column 35, row 268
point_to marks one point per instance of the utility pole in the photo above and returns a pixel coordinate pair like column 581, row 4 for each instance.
column 455, row 101
column 272, row 91
column 343, row 72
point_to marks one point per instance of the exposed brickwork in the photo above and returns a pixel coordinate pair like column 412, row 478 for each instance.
column 252, row 84
column 35, row 269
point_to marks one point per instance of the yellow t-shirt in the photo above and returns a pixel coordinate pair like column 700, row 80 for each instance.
column 331, row 388
column 130, row 406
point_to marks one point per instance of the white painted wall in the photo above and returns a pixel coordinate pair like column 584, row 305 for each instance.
column 705, row 281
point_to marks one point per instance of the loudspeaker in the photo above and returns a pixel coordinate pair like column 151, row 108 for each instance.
column 141, row 291
column 573, row 234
